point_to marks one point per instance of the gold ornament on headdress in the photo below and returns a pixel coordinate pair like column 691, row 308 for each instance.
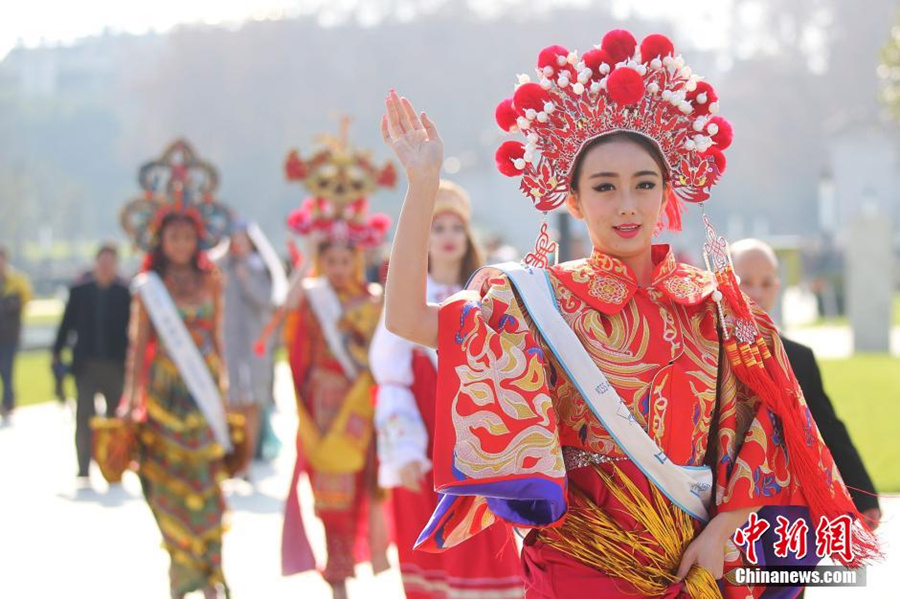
column 180, row 182
column 339, row 173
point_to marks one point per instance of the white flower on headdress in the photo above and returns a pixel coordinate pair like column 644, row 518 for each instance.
column 656, row 63
column 523, row 78
column 548, row 108
column 548, row 71
column 578, row 88
column 546, row 83
column 542, row 117
column 653, row 87
column 531, row 114
column 523, row 123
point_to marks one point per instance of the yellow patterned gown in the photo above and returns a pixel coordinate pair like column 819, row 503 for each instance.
column 181, row 463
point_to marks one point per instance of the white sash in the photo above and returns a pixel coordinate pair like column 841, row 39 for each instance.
column 689, row 487
column 326, row 305
column 184, row 353
column 273, row 263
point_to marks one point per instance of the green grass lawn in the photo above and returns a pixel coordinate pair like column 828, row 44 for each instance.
column 865, row 390
column 34, row 380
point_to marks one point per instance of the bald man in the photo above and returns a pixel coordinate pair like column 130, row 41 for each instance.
column 756, row 265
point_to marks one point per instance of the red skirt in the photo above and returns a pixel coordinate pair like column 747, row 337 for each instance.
column 487, row 566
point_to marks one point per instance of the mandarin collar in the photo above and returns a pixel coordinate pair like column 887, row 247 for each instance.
column 608, row 284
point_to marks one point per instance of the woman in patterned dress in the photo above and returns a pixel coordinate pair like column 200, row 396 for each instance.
column 180, row 463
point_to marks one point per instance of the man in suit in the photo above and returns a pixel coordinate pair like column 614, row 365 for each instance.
column 95, row 326
column 756, row 265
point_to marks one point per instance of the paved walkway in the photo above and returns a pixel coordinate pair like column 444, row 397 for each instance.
column 57, row 541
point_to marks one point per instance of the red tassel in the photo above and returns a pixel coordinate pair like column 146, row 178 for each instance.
column 674, row 209
column 755, row 366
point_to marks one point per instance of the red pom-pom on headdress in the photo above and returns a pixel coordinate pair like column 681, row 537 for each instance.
column 625, row 86
column 593, row 59
column 554, row 57
column 510, row 159
column 656, row 46
column 718, row 157
column 702, row 97
column 506, row 115
column 530, row 95
column 721, row 131
column 619, row 44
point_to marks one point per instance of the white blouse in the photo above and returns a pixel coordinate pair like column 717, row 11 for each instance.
column 402, row 436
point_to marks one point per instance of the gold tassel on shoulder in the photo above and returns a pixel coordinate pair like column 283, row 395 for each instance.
column 646, row 558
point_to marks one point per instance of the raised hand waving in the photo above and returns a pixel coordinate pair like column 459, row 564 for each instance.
column 413, row 138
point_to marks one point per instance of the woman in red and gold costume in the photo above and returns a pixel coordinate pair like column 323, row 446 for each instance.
column 334, row 313
column 631, row 410
column 405, row 421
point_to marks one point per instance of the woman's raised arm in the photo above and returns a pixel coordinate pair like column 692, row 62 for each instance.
column 415, row 141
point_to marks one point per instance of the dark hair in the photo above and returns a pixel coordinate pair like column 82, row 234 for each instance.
column 107, row 248
column 644, row 142
column 156, row 260
column 472, row 259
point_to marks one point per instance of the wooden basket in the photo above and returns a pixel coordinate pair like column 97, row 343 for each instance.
column 114, row 446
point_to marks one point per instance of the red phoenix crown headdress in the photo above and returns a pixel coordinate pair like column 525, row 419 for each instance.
column 617, row 86
column 340, row 179
column 177, row 182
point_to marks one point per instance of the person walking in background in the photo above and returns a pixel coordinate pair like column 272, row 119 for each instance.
column 756, row 264
column 334, row 314
column 406, row 374
column 15, row 293
column 95, row 327
column 175, row 378
column 249, row 302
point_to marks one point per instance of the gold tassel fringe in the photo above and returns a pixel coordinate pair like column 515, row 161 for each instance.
column 594, row 538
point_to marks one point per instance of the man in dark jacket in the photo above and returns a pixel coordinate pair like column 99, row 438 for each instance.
column 756, row 265
column 95, row 325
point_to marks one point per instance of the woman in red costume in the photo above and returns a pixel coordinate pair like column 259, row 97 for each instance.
column 334, row 315
column 631, row 410
column 405, row 421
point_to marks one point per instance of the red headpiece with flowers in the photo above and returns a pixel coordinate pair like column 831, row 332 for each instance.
column 340, row 179
column 178, row 182
column 617, row 86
